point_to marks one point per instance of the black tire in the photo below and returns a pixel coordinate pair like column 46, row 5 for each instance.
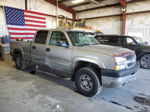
column 145, row 61
column 91, row 79
column 20, row 63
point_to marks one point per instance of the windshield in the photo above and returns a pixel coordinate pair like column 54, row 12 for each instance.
column 81, row 38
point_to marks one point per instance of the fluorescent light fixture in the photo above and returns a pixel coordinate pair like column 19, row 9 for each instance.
column 77, row 1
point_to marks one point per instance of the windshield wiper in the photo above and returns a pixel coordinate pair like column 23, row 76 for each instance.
column 96, row 44
column 84, row 44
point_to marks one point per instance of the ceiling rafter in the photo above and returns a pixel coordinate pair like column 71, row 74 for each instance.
column 78, row 5
column 112, row 5
column 85, row 3
column 70, row 10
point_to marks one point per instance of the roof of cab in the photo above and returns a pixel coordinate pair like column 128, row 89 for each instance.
column 67, row 29
column 113, row 35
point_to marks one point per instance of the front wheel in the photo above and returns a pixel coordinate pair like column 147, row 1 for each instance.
column 145, row 61
column 87, row 82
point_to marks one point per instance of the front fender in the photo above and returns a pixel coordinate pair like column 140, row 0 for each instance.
column 89, row 60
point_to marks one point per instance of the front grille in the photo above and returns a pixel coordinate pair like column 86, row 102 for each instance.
column 130, row 60
column 129, row 57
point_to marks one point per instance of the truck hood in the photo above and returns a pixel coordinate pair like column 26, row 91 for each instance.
column 106, row 49
column 147, row 47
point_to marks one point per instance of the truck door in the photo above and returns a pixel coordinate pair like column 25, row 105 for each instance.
column 59, row 52
column 38, row 48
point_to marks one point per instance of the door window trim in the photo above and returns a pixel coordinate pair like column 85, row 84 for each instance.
column 50, row 36
column 46, row 37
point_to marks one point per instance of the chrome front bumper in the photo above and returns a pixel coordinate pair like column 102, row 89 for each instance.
column 112, row 78
column 117, row 82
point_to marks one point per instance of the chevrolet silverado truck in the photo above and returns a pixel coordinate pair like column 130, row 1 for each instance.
column 80, row 57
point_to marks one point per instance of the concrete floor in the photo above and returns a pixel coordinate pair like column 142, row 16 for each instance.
column 21, row 91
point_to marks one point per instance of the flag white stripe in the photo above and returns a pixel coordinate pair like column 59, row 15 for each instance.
column 34, row 23
column 13, row 26
column 35, row 15
column 29, row 18
column 22, row 35
column 18, row 31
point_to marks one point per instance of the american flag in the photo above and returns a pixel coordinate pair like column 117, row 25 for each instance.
column 22, row 24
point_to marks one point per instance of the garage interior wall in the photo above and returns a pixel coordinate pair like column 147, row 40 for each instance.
column 136, row 24
column 33, row 5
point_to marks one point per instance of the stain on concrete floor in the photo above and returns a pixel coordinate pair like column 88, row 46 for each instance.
column 142, row 100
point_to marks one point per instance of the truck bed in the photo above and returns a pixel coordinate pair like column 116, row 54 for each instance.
column 25, row 48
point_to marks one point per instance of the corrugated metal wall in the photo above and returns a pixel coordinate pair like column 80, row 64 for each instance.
column 143, row 32
column 3, row 29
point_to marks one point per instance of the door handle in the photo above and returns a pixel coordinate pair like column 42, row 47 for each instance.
column 48, row 49
column 33, row 47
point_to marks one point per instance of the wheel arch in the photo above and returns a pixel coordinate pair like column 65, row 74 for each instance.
column 142, row 54
column 82, row 63
column 17, row 51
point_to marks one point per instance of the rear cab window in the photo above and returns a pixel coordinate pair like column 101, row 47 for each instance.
column 41, row 37
column 112, row 39
column 107, row 39
column 101, row 39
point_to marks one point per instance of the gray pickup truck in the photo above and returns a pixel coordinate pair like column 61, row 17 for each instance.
column 78, row 56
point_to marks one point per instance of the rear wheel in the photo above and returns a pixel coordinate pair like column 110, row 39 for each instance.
column 145, row 61
column 87, row 82
column 20, row 63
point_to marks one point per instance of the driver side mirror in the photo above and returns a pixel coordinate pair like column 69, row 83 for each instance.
column 146, row 42
column 63, row 44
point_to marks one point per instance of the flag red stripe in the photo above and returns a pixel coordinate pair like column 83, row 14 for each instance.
column 21, row 37
column 35, row 12
column 22, row 33
column 35, row 25
column 34, row 21
column 22, row 29
column 35, row 17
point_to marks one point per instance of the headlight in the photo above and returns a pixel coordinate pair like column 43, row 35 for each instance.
column 120, row 60
column 120, row 63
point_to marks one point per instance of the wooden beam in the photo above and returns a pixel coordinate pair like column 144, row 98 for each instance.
column 123, row 3
column 123, row 20
column 63, row 7
column 123, row 16
column 26, row 5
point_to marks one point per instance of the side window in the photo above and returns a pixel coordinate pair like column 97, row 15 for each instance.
column 130, row 41
column 100, row 39
column 122, row 41
column 58, row 39
column 41, row 37
column 111, row 39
